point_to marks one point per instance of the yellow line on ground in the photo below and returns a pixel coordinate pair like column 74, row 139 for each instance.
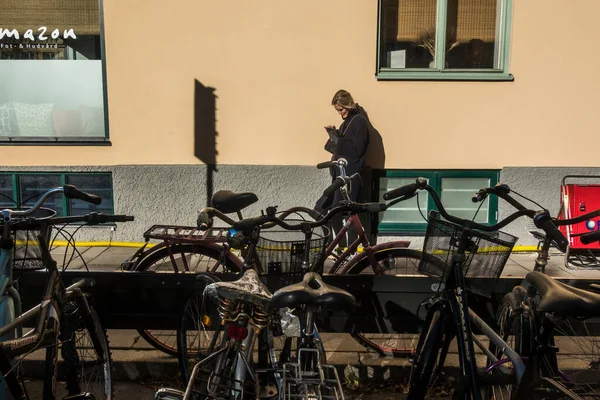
column 62, row 243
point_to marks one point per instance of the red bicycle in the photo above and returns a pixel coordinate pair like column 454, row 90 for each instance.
column 184, row 249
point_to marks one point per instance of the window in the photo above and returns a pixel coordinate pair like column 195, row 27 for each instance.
column 455, row 189
column 444, row 39
column 26, row 188
column 52, row 58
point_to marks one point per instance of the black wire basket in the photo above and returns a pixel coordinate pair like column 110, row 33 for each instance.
column 281, row 253
column 486, row 255
column 27, row 253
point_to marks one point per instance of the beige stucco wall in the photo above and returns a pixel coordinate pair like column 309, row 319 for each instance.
column 276, row 64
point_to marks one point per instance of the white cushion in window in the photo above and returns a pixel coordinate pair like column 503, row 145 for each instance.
column 8, row 125
column 34, row 119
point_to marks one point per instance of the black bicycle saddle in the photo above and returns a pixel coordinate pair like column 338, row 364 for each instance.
column 565, row 300
column 313, row 292
column 229, row 202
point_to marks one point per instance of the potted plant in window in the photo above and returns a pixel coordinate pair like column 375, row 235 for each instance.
column 427, row 41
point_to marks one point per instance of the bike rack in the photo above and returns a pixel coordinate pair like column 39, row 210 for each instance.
column 150, row 300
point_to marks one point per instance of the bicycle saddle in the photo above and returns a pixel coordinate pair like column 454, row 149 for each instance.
column 229, row 202
column 563, row 299
column 248, row 289
column 312, row 291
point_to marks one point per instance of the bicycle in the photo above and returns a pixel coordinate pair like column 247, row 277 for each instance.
column 466, row 256
column 64, row 315
column 534, row 323
column 248, row 310
column 194, row 249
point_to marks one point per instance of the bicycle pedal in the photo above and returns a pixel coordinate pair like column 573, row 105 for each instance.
column 269, row 391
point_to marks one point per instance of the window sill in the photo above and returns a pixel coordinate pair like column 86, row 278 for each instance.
column 382, row 234
column 54, row 141
column 423, row 75
column 390, row 230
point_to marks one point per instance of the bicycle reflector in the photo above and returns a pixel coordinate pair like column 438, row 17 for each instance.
column 206, row 321
column 237, row 332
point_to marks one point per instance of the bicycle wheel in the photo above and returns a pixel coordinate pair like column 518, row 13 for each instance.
column 179, row 257
column 200, row 333
column 514, row 328
column 430, row 355
column 401, row 261
column 85, row 370
column 578, row 359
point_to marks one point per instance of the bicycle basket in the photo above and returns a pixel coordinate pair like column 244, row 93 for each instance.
column 27, row 253
column 281, row 252
column 486, row 254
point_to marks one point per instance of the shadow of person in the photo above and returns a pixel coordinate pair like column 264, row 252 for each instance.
column 375, row 160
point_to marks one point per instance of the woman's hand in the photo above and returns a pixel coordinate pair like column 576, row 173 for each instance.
column 329, row 127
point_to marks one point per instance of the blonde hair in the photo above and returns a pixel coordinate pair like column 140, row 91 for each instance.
column 344, row 99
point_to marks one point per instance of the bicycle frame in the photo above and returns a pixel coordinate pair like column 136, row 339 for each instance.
column 351, row 252
column 10, row 300
column 48, row 318
column 458, row 307
column 462, row 318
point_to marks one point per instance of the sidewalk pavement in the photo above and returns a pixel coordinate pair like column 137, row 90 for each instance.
column 134, row 359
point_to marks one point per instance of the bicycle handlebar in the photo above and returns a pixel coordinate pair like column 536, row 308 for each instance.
column 205, row 219
column 70, row 191
column 92, row 218
column 338, row 182
column 407, row 191
column 340, row 162
column 542, row 218
column 590, row 237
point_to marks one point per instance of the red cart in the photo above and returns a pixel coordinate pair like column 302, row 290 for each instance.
column 578, row 199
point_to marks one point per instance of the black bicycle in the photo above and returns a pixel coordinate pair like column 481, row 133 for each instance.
column 64, row 318
column 469, row 257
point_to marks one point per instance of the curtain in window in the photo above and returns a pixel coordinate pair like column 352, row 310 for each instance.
column 415, row 17
column 476, row 19
column 80, row 15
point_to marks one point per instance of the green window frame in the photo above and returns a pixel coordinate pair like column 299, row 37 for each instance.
column 436, row 181
column 499, row 72
column 62, row 205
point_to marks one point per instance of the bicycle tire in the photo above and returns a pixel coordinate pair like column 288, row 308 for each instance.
column 389, row 344
column 192, row 325
column 511, row 321
column 73, row 331
column 50, row 370
column 427, row 357
column 166, row 340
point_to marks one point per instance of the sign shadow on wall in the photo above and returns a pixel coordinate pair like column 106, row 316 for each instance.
column 205, row 132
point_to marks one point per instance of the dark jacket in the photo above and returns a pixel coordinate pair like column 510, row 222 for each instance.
column 352, row 143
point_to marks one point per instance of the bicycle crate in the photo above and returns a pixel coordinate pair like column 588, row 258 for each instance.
column 300, row 384
column 486, row 254
column 281, row 252
column 206, row 384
